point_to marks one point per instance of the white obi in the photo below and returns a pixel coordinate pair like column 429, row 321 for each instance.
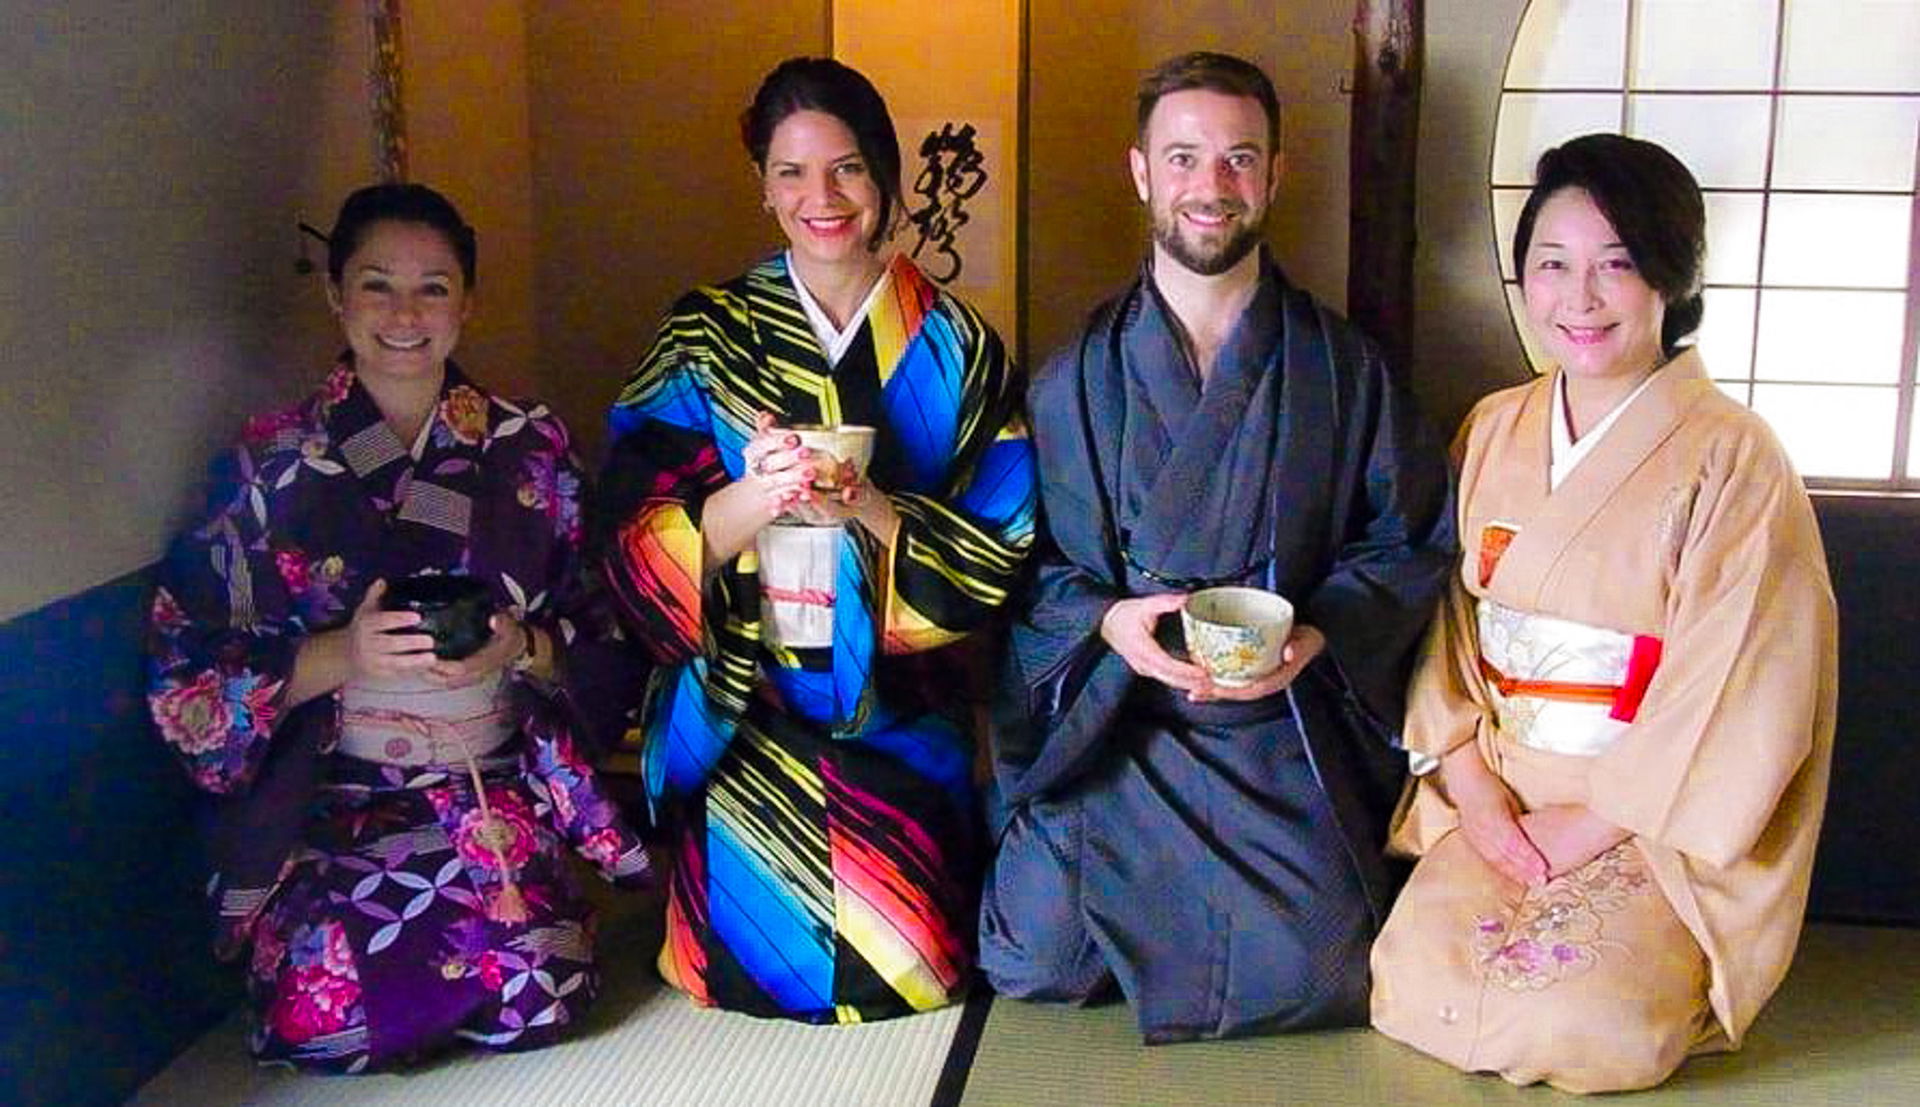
column 414, row 723
column 797, row 566
column 1561, row 686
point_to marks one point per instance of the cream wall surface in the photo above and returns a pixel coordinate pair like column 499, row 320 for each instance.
column 147, row 297
column 469, row 133
column 155, row 164
column 1085, row 231
column 641, row 189
column 957, row 62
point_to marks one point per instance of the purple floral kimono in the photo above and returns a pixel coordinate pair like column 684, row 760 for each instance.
column 368, row 891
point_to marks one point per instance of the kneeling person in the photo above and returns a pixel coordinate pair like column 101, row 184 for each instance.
column 1215, row 851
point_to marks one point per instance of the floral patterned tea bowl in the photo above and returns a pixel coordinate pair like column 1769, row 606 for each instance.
column 1236, row 634
column 840, row 454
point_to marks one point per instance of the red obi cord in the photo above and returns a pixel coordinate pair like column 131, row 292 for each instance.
column 1623, row 698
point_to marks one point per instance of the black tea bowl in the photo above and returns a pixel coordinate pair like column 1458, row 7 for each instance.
column 456, row 611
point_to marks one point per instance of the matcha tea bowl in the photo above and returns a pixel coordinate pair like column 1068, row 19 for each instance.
column 1236, row 634
column 841, row 453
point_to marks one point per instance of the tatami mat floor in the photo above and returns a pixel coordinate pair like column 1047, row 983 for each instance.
column 1845, row 1029
column 642, row 1045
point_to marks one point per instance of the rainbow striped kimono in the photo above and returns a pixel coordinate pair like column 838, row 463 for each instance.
column 820, row 801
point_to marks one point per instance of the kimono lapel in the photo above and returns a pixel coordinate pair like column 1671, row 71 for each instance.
column 1202, row 451
column 427, row 505
column 791, row 371
column 789, row 354
column 1545, row 535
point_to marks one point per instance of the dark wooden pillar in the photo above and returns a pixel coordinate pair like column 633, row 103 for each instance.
column 1388, row 61
column 384, row 80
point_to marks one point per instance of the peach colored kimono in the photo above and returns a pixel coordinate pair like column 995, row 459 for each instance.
column 1686, row 531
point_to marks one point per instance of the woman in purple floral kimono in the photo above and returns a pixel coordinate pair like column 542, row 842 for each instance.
column 388, row 824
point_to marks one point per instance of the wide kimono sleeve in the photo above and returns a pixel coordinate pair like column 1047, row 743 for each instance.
column 1060, row 686
column 1746, row 684
column 224, row 629
column 1446, row 699
column 1447, row 704
column 663, row 464
column 547, row 487
column 962, row 541
column 1397, row 546
column 668, row 424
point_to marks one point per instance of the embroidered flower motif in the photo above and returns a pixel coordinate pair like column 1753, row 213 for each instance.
column 314, row 586
column 339, row 383
column 490, row 970
column 294, row 569
column 1559, row 933
column 548, row 487
column 200, row 716
column 509, row 829
column 464, row 412
column 320, row 993
column 249, row 699
column 194, row 716
column 168, row 616
column 602, row 847
column 262, row 429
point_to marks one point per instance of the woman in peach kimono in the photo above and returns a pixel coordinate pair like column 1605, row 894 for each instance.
column 1627, row 700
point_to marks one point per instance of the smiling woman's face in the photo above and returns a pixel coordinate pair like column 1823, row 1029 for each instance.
column 820, row 190
column 401, row 301
column 1587, row 303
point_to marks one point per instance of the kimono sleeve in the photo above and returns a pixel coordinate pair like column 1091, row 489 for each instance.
column 958, row 553
column 223, row 631
column 1396, row 555
column 665, row 461
column 1061, row 687
column 1746, row 678
column 579, row 809
column 663, row 465
column 548, row 487
column 1446, row 699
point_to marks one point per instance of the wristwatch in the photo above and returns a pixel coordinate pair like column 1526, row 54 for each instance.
column 529, row 653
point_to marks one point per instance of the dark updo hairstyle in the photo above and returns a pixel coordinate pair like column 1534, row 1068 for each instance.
column 1655, row 207
column 399, row 203
column 825, row 85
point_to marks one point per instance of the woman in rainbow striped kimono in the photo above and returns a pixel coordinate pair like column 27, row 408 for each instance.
column 801, row 741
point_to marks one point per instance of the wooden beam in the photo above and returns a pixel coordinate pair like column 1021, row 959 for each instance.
column 384, row 78
column 1388, row 63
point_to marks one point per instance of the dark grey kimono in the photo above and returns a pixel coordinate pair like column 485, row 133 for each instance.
column 1221, row 861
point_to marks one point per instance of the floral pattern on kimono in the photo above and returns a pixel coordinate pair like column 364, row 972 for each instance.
column 358, row 884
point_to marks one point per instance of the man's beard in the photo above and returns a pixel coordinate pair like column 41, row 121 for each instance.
column 1201, row 261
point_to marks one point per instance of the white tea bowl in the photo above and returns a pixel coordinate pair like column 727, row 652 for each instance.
column 1236, row 634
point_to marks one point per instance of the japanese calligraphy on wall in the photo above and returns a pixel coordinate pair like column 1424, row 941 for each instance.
column 952, row 171
column 956, row 186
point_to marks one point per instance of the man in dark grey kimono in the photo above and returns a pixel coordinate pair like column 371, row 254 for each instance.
column 1215, row 851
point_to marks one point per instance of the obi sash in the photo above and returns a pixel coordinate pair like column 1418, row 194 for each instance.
column 413, row 723
column 1561, row 686
column 798, row 566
